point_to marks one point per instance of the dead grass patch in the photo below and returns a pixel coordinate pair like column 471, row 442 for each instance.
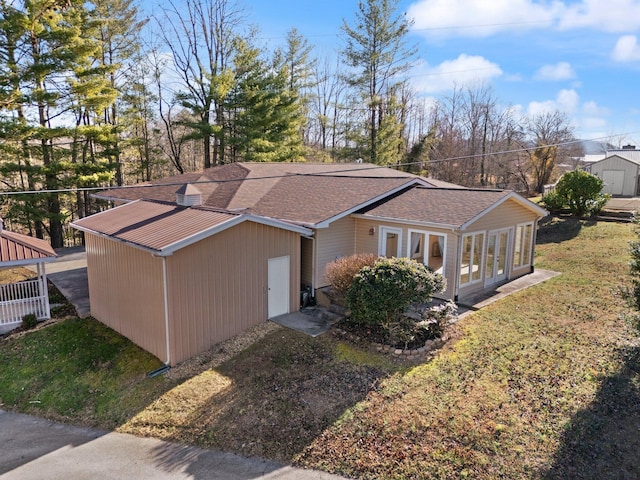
column 270, row 400
column 543, row 384
column 503, row 401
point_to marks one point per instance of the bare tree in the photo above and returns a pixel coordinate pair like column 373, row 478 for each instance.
column 200, row 35
column 326, row 107
column 550, row 139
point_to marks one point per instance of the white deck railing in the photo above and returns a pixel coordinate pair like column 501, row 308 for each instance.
column 20, row 299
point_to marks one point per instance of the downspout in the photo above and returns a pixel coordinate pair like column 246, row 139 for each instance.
column 456, row 291
column 166, row 308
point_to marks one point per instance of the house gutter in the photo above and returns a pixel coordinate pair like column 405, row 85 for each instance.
column 166, row 308
column 456, row 291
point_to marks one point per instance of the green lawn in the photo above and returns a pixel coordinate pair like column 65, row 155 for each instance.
column 543, row 384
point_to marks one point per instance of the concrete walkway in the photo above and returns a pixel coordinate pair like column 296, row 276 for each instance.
column 68, row 272
column 312, row 322
column 32, row 449
column 486, row 298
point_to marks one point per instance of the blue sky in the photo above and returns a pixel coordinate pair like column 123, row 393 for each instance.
column 581, row 57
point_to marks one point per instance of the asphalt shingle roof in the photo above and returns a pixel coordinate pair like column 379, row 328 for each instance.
column 447, row 206
column 294, row 192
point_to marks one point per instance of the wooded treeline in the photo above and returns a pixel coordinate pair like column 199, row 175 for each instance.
column 94, row 95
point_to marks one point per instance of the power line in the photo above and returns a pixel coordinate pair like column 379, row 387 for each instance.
column 321, row 173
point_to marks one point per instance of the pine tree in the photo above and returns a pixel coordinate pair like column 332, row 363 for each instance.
column 377, row 53
column 117, row 35
column 54, row 89
column 266, row 112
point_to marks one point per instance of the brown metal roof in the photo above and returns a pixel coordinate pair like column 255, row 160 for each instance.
column 17, row 249
column 153, row 225
column 452, row 207
column 165, row 227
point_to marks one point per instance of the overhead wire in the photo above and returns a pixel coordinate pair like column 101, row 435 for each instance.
column 320, row 173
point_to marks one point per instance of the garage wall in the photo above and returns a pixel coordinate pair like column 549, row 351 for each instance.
column 610, row 168
column 126, row 292
column 218, row 286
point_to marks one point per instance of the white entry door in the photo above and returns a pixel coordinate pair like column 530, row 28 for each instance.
column 278, row 285
column 496, row 262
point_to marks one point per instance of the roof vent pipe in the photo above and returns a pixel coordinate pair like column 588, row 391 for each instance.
column 188, row 196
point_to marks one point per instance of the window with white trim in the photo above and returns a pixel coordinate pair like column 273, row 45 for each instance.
column 427, row 248
column 522, row 246
column 471, row 261
column 389, row 242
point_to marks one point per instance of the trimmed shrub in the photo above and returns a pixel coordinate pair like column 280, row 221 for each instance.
column 29, row 321
column 380, row 293
column 552, row 201
column 580, row 192
column 340, row 272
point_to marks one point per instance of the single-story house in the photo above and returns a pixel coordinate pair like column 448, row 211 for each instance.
column 194, row 259
column 29, row 296
column 620, row 173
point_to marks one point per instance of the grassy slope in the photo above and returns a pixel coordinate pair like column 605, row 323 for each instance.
column 542, row 384
column 78, row 371
column 535, row 385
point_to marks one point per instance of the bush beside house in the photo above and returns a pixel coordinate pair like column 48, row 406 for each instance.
column 389, row 299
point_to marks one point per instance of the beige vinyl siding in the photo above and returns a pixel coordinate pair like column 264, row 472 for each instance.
column 219, row 285
column 334, row 242
column 306, row 261
column 507, row 214
column 366, row 243
column 126, row 292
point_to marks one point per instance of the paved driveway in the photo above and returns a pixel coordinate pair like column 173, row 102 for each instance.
column 35, row 449
column 623, row 204
column 68, row 272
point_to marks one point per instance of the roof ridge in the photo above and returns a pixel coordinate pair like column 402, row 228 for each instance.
column 341, row 175
column 465, row 189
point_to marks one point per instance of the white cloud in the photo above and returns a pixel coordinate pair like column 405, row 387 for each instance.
column 559, row 71
column 466, row 70
column 593, row 109
column 477, row 18
column 481, row 18
column 566, row 101
column 609, row 16
column 626, row 49
column 591, row 123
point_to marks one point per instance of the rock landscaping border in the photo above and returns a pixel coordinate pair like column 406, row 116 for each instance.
column 411, row 354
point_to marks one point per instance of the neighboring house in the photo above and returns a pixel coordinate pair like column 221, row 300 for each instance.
column 194, row 259
column 620, row 172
